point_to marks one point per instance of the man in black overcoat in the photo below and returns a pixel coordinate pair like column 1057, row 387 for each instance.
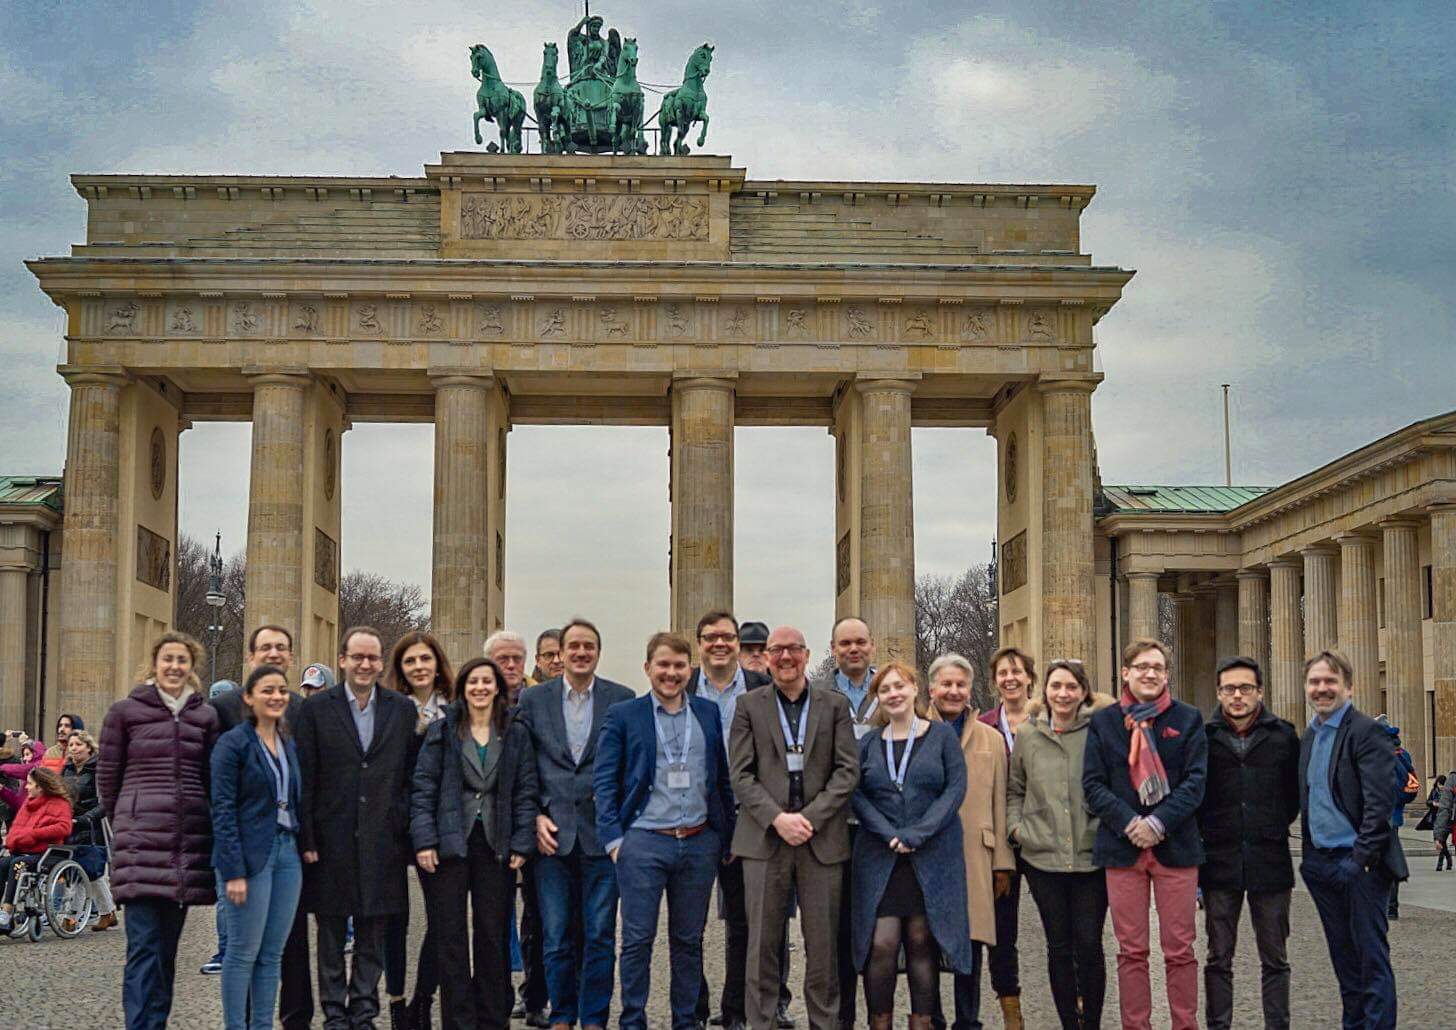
column 353, row 752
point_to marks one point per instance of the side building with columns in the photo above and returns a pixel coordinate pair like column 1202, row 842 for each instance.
column 1358, row 555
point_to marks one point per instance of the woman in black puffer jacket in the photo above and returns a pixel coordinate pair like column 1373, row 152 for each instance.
column 153, row 782
column 79, row 776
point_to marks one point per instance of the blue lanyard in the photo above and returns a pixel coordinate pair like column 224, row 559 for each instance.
column 897, row 775
column 687, row 735
column 796, row 742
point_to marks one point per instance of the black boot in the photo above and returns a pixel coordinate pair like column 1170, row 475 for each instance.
column 399, row 1015
column 419, row 1012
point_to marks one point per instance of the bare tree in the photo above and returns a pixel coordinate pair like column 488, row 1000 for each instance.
column 365, row 599
column 958, row 615
column 369, row 599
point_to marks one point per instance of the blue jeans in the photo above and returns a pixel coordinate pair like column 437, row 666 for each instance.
column 152, row 931
column 578, row 985
column 1352, row 905
column 257, row 930
column 648, row 864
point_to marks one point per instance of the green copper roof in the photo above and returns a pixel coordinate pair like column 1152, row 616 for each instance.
column 44, row 490
column 1207, row 500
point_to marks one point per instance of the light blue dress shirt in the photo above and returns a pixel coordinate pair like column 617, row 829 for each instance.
column 364, row 720
column 726, row 699
column 576, row 709
column 1328, row 827
column 668, row 808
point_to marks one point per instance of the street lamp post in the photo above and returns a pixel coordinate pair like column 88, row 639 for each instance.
column 215, row 600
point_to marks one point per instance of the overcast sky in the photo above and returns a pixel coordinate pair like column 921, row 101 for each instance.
column 1279, row 175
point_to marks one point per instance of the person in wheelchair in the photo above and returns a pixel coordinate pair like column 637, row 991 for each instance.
column 87, row 830
column 44, row 821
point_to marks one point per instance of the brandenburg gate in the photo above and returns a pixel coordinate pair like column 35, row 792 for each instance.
column 504, row 289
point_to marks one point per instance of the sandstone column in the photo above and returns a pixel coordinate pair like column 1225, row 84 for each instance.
column 1254, row 617
column 1405, row 687
column 275, row 577
column 461, row 564
column 1142, row 591
column 1226, row 623
column 1201, row 638
column 1443, row 627
column 1319, row 598
column 1359, row 634
column 887, row 517
column 1180, row 669
column 702, row 499
column 88, row 674
column 1067, row 488
column 1286, row 642
column 14, row 579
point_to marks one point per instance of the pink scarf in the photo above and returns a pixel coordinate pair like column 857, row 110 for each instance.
column 1144, row 764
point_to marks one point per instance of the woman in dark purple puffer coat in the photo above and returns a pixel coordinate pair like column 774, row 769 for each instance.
column 153, row 783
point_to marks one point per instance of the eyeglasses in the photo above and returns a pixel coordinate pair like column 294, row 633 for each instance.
column 365, row 659
column 778, row 650
column 718, row 638
column 1156, row 668
column 1229, row 689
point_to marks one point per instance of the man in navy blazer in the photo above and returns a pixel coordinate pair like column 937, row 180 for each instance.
column 665, row 815
column 574, row 876
column 1351, row 853
column 1143, row 772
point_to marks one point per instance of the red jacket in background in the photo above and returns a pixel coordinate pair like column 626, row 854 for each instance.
column 41, row 822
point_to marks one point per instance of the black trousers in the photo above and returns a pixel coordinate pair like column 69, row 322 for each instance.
column 735, row 949
column 1005, row 962
column 1073, row 910
column 1269, row 912
column 295, row 994
column 533, row 954
column 480, row 998
column 396, row 959
column 153, row 929
column 967, row 993
column 348, row 994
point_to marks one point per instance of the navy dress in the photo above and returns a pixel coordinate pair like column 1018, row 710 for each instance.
column 926, row 816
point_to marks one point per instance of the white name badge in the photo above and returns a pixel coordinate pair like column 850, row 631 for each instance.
column 860, row 729
column 796, row 761
column 679, row 779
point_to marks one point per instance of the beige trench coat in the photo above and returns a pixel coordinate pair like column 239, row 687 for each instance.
column 983, row 821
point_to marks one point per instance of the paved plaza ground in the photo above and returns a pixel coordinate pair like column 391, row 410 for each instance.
column 57, row 983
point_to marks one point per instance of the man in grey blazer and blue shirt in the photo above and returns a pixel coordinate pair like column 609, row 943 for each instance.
column 573, row 874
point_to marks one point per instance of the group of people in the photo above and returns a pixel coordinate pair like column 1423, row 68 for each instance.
column 894, row 818
column 48, row 798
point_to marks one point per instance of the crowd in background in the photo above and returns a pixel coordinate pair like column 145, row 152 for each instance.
column 895, row 821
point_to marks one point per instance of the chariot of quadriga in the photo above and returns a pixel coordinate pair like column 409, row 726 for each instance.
column 600, row 108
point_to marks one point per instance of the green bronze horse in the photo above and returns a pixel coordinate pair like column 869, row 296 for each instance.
column 553, row 107
column 626, row 104
column 686, row 104
column 496, row 102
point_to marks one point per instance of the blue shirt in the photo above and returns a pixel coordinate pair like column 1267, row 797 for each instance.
column 668, row 808
column 726, row 699
column 279, row 765
column 1328, row 827
column 364, row 721
column 855, row 692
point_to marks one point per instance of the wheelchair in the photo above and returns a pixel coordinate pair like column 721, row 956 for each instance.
column 57, row 892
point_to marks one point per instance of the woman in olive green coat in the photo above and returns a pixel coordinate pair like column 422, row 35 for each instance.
column 1048, row 819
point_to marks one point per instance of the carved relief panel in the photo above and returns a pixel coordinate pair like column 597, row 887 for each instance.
column 491, row 216
column 153, row 559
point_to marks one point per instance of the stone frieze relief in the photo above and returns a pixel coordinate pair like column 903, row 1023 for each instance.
column 490, row 216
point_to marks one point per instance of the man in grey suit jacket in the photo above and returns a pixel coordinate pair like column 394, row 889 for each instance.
column 794, row 764
column 565, row 717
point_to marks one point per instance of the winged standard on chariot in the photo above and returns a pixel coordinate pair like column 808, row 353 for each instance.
column 600, row 108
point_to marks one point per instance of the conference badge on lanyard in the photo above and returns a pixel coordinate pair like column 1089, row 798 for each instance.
column 897, row 775
column 794, row 742
column 862, row 726
column 678, row 776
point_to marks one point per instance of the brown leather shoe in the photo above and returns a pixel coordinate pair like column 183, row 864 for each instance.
column 1011, row 1012
column 562, row 1026
column 919, row 1022
column 882, row 1021
column 106, row 922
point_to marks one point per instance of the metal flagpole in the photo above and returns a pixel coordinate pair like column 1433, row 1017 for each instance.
column 1228, row 465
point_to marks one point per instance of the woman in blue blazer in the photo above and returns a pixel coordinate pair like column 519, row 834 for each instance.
column 255, row 791
column 907, row 853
